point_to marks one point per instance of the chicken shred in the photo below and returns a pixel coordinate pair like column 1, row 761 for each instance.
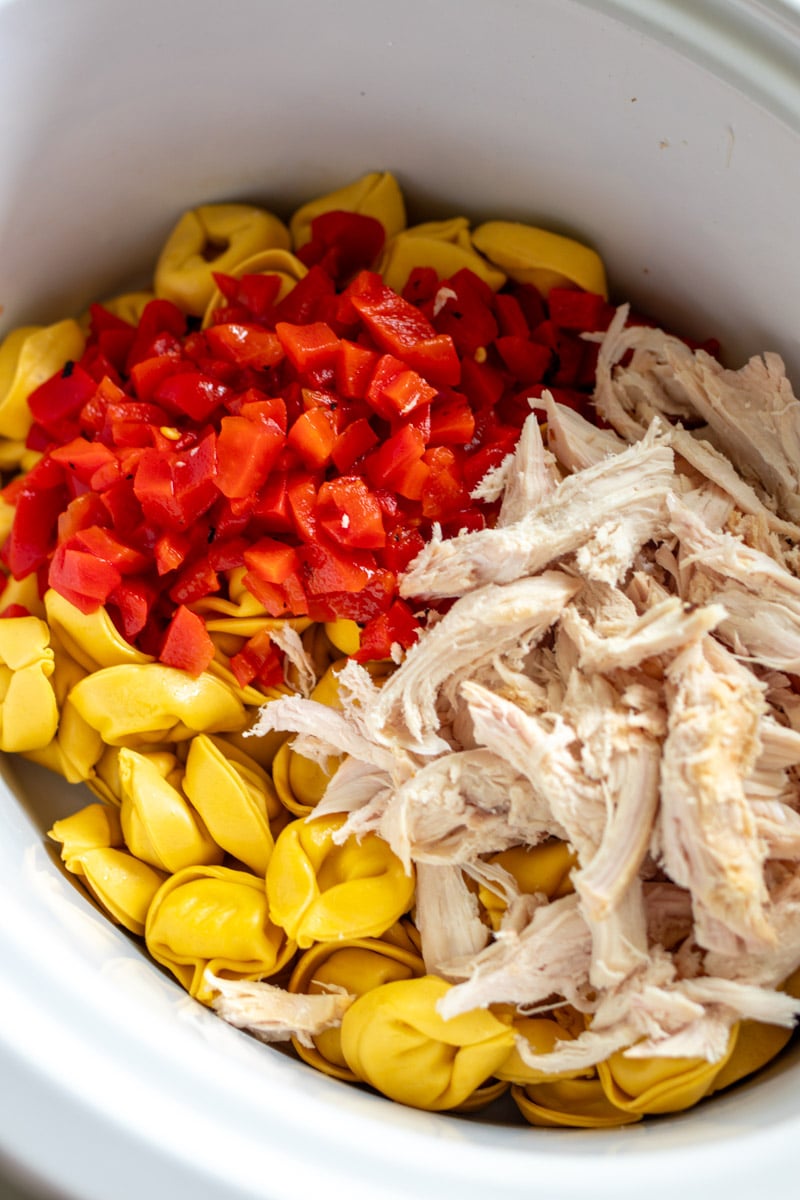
column 617, row 672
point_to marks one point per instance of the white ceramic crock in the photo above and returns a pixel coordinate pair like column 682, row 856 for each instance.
column 667, row 134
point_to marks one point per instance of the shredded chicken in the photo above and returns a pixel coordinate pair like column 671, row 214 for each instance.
column 616, row 672
column 273, row 1014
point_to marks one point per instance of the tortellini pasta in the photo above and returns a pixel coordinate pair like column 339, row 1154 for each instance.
column 29, row 356
column 446, row 246
column 28, row 709
column 215, row 917
column 374, row 195
column 320, row 891
column 394, row 1039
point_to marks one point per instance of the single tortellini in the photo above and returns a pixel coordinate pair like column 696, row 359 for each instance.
column 538, row 256
column 282, row 263
column 545, row 868
column 542, row 1034
column 159, row 824
column 106, row 781
column 213, row 237
column 93, row 827
column 446, row 246
column 376, row 194
column 355, row 967
column 28, row 708
column 215, row 918
column 754, row 1046
column 394, row 1039
column 76, row 747
column 122, row 884
column 28, row 357
column 320, row 891
column 570, row 1103
column 139, row 703
column 91, row 639
column 235, row 799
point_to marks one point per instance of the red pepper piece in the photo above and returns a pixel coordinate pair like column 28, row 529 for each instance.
column 421, row 285
column 83, row 458
column 175, row 490
column 303, row 303
column 481, row 383
column 196, row 580
column 312, row 438
column 401, row 392
column 81, row 513
column 398, row 626
column 33, row 531
column 527, row 361
column 355, row 367
column 452, row 421
column 350, row 514
column 170, row 551
column 272, row 509
column 325, row 569
column 195, row 395
column 272, row 561
column 582, row 311
column 397, row 465
column 245, row 345
column 403, row 544
column 531, row 302
column 227, row 553
column 510, row 317
column 160, row 326
column 105, row 546
column 187, row 644
column 352, row 444
column 246, row 453
column 309, row 348
column 302, row 496
column 260, row 660
column 271, row 595
column 256, row 406
column 375, row 597
column 130, row 605
column 343, row 243
column 466, row 315
column 56, row 403
column 148, row 374
column 400, row 329
column 82, row 578
column 252, row 297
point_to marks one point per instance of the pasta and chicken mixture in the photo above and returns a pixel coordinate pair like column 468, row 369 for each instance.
column 429, row 634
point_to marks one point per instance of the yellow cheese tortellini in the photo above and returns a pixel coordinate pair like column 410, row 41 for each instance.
column 320, row 891
column 445, row 246
column 394, row 1039
column 215, row 918
column 91, row 639
column 658, row 1085
column 28, row 709
column 159, row 824
column 355, row 966
column 139, row 703
column 376, row 195
column 95, row 826
column 570, row 1103
column 76, row 747
column 213, row 237
column 540, row 257
column 121, row 884
column 235, row 799
column 545, row 868
column 28, row 357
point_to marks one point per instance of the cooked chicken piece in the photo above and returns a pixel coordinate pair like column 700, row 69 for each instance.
column 619, row 502
column 778, row 828
column 447, row 916
column 619, row 935
column 354, row 786
column 668, row 910
column 297, row 661
column 662, row 629
column 530, row 478
column 273, row 1014
column 479, row 627
column 327, row 732
column 768, row 966
column 550, row 956
column 708, row 836
column 761, row 597
column 458, row 806
column 576, row 442
column 544, row 750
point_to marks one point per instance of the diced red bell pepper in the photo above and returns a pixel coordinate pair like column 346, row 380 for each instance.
column 398, row 626
column 342, row 243
column 56, row 403
column 81, row 512
column 527, row 361
column 251, row 297
column 452, row 421
column 33, row 530
column 302, row 304
column 187, row 644
column 352, row 444
column 272, row 510
column 397, row 465
column 308, row 347
column 325, row 569
column 401, row 329
column 81, row 577
column 481, row 383
column 174, row 491
column 510, row 317
column 350, row 514
column 403, row 544
column 312, row 438
column 301, row 488
column 355, row 367
column 585, row 312
column 191, row 393
column 421, row 285
column 246, row 453
column 105, row 546
column 148, row 374
column 395, row 390
column 245, row 345
column 260, row 660
column 83, row 457
column 272, row 561
column 195, row 580
column 130, row 605
column 257, row 406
